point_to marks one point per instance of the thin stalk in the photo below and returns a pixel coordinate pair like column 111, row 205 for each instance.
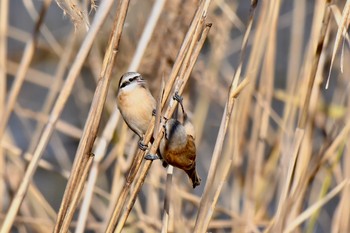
column 84, row 157
column 207, row 204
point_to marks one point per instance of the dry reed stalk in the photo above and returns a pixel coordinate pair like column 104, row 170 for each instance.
column 294, row 165
column 276, row 224
column 75, row 12
column 167, row 222
column 34, row 76
column 146, row 35
column 341, row 32
column 219, row 37
column 253, row 65
column 306, row 150
column 16, row 166
column 18, row 34
column 136, row 163
column 290, row 108
column 14, row 151
column 341, row 223
column 84, row 157
column 315, row 61
column 35, row 223
column 308, row 114
column 61, row 126
column 230, row 13
column 211, row 191
column 55, row 113
column 207, row 203
column 184, row 48
column 99, row 152
column 259, row 133
column 4, row 6
column 311, row 209
column 295, row 51
column 196, row 46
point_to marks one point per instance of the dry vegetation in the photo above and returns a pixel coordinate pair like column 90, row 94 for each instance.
column 273, row 143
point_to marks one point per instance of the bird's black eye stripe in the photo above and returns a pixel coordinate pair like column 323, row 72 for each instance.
column 132, row 79
column 124, row 84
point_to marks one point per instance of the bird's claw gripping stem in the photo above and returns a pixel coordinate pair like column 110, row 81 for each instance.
column 151, row 157
column 142, row 145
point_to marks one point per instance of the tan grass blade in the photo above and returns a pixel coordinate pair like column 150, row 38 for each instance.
column 341, row 223
column 316, row 58
column 342, row 28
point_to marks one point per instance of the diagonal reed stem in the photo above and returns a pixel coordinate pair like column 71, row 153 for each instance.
column 208, row 200
column 84, row 157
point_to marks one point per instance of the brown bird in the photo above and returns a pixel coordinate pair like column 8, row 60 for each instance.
column 177, row 147
column 136, row 104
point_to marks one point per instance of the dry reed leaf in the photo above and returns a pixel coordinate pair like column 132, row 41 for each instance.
column 73, row 9
column 341, row 32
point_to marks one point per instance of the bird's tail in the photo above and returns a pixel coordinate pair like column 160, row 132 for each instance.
column 193, row 175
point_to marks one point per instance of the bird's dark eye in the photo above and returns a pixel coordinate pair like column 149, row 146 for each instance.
column 124, row 84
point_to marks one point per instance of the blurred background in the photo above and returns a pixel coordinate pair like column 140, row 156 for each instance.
column 262, row 137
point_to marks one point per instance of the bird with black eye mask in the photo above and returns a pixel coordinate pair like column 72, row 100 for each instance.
column 136, row 104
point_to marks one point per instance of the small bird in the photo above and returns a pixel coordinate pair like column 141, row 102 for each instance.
column 177, row 147
column 136, row 104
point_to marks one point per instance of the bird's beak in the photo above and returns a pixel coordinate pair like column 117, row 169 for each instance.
column 140, row 80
